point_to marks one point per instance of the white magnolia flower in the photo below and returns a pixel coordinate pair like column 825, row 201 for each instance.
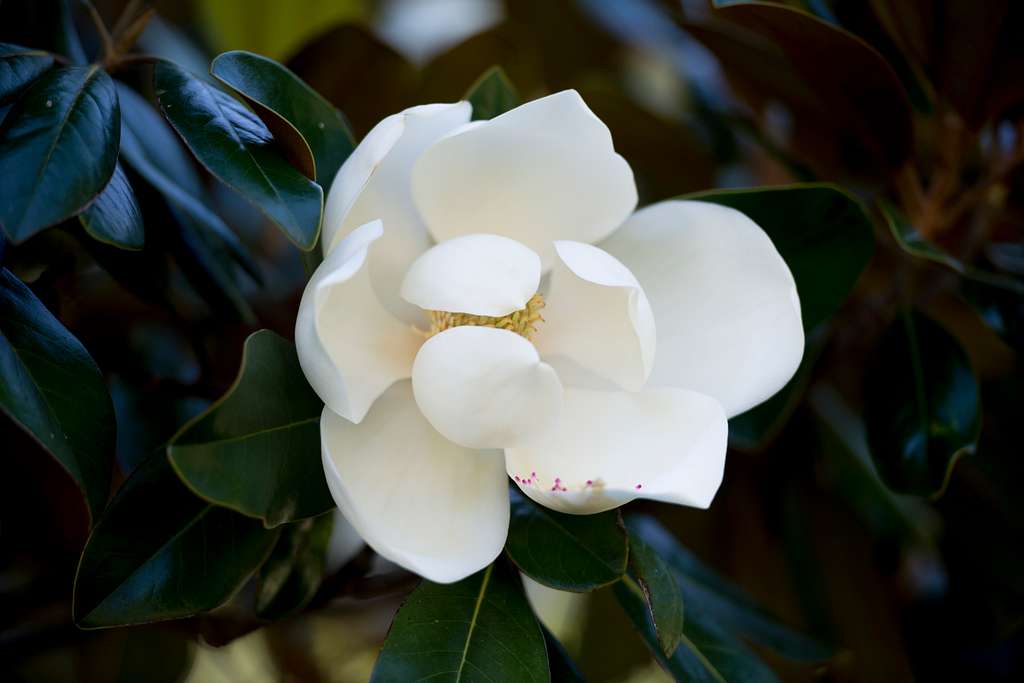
column 463, row 329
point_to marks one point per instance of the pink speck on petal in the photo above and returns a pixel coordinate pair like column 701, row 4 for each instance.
column 590, row 482
column 639, row 486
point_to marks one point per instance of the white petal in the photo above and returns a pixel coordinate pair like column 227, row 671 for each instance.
column 597, row 316
column 479, row 274
column 545, row 170
column 343, row 545
column 727, row 308
column 350, row 348
column 613, row 446
column 419, row 500
column 485, row 388
column 375, row 183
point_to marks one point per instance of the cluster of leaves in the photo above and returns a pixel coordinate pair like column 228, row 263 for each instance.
column 100, row 149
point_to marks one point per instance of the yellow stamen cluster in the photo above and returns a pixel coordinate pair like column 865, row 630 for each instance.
column 523, row 322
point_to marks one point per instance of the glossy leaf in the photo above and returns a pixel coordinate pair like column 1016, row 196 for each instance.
column 821, row 231
column 115, row 217
column 660, row 592
column 237, row 147
column 257, row 449
column 58, row 147
column 706, row 653
column 19, row 67
column 563, row 669
column 710, row 598
column 313, row 133
column 492, row 94
column 568, row 552
column 160, row 553
column 53, row 390
column 291, row 576
column 921, row 405
column 479, row 629
column 855, row 85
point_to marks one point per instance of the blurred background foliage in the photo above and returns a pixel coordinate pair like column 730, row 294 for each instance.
column 916, row 107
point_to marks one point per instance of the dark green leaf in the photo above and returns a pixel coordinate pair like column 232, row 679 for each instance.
column 821, row 231
column 58, row 147
column 492, row 94
column 19, row 66
column 754, row 429
column 563, row 669
column 257, row 449
column 115, row 217
column 313, row 133
column 568, row 552
column 710, row 598
column 66, row 39
column 479, row 629
column 291, row 576
column 160, row 553
column 52, row 388
column 152, row 150
column 921, row 405
column 660, row 591
column 237, row 147
column 1002, row 309
column 706, row 653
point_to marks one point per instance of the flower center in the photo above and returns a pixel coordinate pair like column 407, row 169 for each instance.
column 523, row 322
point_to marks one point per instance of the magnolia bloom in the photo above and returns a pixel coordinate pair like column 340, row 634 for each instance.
column 491, row 306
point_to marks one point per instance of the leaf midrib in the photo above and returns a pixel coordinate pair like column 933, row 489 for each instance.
column 473, row 620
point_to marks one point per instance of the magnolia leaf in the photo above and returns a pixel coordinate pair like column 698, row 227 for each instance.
column 563, row 669
column 115, row 217
column 921, row 405
column 291, row 576
column 161, row 553
column 492, row 94
column 58, row 148
column 234, row 145
column 53, row 390
column 313, row 133
column 481, row 628
column 821, row 231
column 19, row 67
column 568, row 552
column 660, row 591
column 257, row 449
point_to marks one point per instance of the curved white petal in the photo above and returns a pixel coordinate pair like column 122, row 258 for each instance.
column 613, row 446
column 597, row 315
column 419, row 500
column 727, row 308
column 479, row 274
column 545, row 170
column 375, row 183
column 483, row 387
column 343, row 545
column 350, row 348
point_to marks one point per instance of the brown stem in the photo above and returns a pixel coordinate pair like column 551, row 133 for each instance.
column 101, row 29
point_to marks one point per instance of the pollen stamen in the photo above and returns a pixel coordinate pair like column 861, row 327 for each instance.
column 523, row 321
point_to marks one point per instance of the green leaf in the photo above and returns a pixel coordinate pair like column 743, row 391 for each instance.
column 492, row 94
column 563, row 669
column 921, row 405
column 115, row 218
column 313, row 133
column 53, row 390
column 150, row 147
column 568, row 552
column 660, row 591
column 706, row 652
column 291, row 576
column 160, row 553
column 712, row 601
column 257, row 449
column 479, row 629
column 822, row 232
column 19, row 67
column 58, row 148
column 234, row 145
